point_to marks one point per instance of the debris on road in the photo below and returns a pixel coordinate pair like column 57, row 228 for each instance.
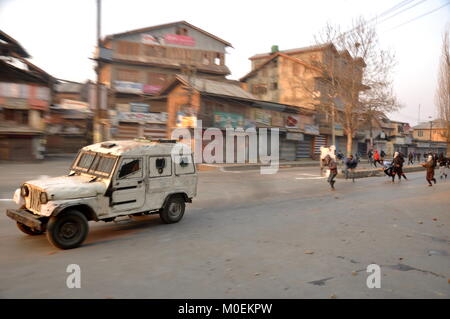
column 309, row 252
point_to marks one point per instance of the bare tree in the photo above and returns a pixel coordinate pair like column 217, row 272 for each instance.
column 442, row 98
column 360, row 91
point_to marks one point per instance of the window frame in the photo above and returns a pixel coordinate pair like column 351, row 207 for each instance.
column 119, row 166
column 160, row 156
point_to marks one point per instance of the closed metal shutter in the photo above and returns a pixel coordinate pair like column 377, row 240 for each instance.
column 362, row 149
column 320, row 140
column 287, row 149
column 304, row 147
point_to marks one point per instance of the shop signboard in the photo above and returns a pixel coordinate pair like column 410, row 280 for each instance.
column 128, row 87
column 149, row 39
column 263, row 117
column 123, row 107
column 338, row 130
column 293, row 121
column 139, row 107
column 179, row 40
column 228, row 120
column 142, row 117
column 151, row 89
column 294, row 136
column 277, row 119
column 311, row 129
column 74, row 105
column 16, row 103
column 186, row 120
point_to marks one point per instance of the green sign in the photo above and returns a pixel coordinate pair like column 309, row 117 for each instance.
column 228, row 120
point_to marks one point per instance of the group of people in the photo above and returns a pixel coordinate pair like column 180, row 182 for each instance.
column 391, row 169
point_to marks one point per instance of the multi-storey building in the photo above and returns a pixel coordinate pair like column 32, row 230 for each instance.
column 135, row 65
column 25, row 95
column 303, row 77
column 431, row 136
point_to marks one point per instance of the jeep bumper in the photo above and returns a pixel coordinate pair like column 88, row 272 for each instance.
column 25, row 217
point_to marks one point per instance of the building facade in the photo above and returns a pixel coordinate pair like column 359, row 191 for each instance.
column 302, row 77
column 25, row 96
column 135, row 65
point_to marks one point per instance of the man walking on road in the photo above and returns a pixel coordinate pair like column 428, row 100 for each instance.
column 331, row 163
column 410, row 158
column 350, row 165
column 398, row 166
column 443, row 163
column 430, row 165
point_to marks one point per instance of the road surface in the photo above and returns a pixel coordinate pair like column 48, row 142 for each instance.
column 247, row 235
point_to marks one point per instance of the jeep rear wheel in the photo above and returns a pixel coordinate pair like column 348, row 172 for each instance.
column 67, row 230
column 173, row 211
column 28, row 230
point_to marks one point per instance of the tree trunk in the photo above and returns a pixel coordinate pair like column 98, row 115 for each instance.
column 349, row 143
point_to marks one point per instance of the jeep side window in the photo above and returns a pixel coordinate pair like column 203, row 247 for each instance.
column 129, row 169
column 160, row 166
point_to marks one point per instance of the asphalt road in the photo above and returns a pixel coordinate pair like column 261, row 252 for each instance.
column 247, row 236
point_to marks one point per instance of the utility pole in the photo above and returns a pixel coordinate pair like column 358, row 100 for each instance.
column 98, row 136
column 418, row 120
column 431, row 130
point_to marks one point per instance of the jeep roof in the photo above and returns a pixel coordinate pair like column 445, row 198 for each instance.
column 137, row 147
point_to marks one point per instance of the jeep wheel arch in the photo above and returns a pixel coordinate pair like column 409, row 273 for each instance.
column 85, row 209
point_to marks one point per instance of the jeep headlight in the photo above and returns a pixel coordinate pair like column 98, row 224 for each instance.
column 43, row 198
column 24, row 191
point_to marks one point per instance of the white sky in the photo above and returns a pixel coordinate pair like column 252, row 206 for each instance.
column 60, row 35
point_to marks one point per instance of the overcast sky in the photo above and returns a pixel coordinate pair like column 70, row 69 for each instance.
column 60, row 35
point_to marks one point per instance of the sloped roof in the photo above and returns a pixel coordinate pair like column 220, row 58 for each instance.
column 13, row 45
column 274, row 56
column 228, row 88
column 160, row 26
column 437, row 124
column 297, row 50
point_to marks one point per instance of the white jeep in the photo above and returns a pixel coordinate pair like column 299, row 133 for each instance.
column 108, row 180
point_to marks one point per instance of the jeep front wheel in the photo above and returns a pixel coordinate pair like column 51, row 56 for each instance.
column 28, row 230
column 173, row 211
column 67, row 230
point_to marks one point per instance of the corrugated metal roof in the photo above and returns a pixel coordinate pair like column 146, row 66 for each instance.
column 218, row 87
column 437, row 124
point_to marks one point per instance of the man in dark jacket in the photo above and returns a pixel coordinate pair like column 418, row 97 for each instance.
column 350, row 165
column 398, row 166
column 331, row 163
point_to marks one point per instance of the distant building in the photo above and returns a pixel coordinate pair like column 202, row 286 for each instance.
column 224, row 104
column 25, row 96
column 298, row 77
column 135, row 65
column 431, row 136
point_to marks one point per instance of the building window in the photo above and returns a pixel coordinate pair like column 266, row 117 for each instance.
column 217, row 59
column 181, row 31
column 259, row 89
column 274, row 86
column 420, row 133
column 128, row 75
column 205, row 59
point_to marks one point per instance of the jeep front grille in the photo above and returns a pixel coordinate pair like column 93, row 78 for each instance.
column 34, row 202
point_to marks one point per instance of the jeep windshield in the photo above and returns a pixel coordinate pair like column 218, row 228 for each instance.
column 97, row 164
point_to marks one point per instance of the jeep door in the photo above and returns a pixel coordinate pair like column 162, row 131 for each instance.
column 128, row 185
column 160, row 180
